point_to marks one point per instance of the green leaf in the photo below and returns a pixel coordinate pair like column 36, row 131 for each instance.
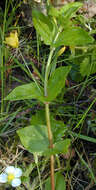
column 44, row 26
column 62, row 146
column 57, row 82
column 38, row 118
column 58, row 129
column 75, row 73
column 87, row 67
column 34, row 138
column 59, row 147
column 27, row 91
column 70, row 9
column 86, row 138
column 52, row 11
column 59, row 182
column 58, row 126
column 66, row 13
column 73, row 36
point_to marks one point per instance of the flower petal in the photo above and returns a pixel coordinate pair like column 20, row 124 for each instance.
column 10, row 169
column 16, row 182
column 3, row 178
column 18, row 172
column 12, row 40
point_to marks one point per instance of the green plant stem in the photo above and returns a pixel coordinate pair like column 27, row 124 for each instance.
column 36, row 162
column 2, row 84
column 39, row 176
column 58, row 161
column 2, row 60
column 47, row 71
column 48, row 64
column 50, row 137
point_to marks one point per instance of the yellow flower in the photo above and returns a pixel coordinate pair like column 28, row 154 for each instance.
column 61, row 51
column 12, row 40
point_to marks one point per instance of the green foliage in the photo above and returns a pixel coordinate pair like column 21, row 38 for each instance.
column 59, row 147
column 66, row 12
column 27, row 91
column 55, row 29
column 84, row 63
column 36, row 139
column 59, row 182
column 88, row 65
column 73, row 36
column 58, row 126
column 1, row 16
column 57, row 82
column 32, row 91
column 69, row 10
column 69, row 35
column 44, row 26
column 84, row 67
column 52, row 11
column 75, row 73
